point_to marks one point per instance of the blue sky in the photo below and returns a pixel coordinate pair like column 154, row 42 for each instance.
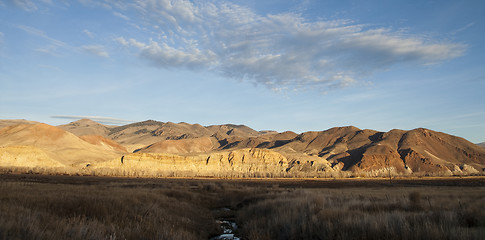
column 280, row 65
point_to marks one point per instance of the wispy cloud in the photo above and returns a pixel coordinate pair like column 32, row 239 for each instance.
column 42, row 34
column 469, row 25
column 100, row 119
column 88, row 33
column 96, row 3
column 120, row 15
column 50, row 50
column 279, row 51
column 26, row 5
column 169, row 57
column 97, row 50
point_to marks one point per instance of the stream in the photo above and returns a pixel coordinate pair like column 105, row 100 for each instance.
column 228, row 227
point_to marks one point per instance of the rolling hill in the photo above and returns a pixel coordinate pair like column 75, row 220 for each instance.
column 54, row 144
column 339, row 151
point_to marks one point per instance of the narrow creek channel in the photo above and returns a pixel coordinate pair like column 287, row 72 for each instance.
column 227, row 223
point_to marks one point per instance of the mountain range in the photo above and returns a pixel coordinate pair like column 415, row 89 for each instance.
column 153, row 148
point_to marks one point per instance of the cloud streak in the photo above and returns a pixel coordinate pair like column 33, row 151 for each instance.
column 26, row 5
column 42, row 34
column 279, row 51
column 96, row 50
column 88, row 33
column 100, row 119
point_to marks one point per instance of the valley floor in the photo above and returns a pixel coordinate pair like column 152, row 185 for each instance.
column 83, row 207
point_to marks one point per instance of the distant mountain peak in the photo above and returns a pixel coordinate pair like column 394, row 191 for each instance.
column 85, row 121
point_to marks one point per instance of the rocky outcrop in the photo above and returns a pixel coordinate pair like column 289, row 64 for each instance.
column 247, row 162
column 238, row 163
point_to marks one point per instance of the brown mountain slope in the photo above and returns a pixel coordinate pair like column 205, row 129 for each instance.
column 232, row 130
column 86, row 127
column 11, row 122
column 174, row 131
column 136, row 133
column 268, row 140
column 59, row 145
column 421, row 147
column 181, row 146
column 149, row 132
column 324, row 142
column 481, row 144
column 418, row 150
column 104, row 142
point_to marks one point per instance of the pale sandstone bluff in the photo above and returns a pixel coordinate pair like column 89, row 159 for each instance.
column 249, row 162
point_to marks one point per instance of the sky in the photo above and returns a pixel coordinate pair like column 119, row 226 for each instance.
column 271, row 65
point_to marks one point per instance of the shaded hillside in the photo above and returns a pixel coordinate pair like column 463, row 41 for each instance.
column 418, row 150
column 86, row 127
column 232, row 130
column 267, row 140
column 149, row 132
column 180, row 146
column 481, row 144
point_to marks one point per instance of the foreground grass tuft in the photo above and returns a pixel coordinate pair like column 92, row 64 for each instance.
column 317, row 214
column 57, row 211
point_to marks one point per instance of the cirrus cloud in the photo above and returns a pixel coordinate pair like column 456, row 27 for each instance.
column 26, row 5
column 97, row 50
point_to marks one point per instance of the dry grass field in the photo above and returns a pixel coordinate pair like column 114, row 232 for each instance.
column 74, row 207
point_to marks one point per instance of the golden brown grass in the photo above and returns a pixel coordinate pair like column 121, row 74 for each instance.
column 69, row 211
column 362, row 213
column 75, row 207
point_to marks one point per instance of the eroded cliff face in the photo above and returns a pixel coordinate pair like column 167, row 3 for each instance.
column 242, row 163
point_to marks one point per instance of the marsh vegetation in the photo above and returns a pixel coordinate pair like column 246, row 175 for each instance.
column 68, row 207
